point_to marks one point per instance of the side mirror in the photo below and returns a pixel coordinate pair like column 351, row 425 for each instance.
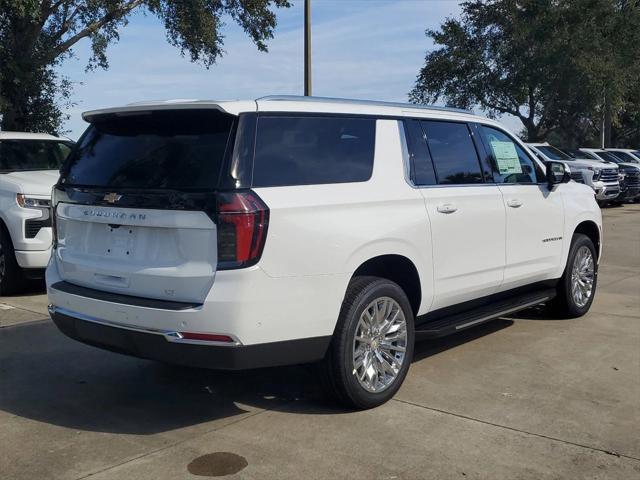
column 557, row 172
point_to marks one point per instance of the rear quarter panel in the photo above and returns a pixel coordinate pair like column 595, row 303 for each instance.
column 330, row 230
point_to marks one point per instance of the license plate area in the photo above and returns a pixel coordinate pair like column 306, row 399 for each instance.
column 120, row 241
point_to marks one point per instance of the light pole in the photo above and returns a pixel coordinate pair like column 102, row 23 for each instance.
column 307, row 48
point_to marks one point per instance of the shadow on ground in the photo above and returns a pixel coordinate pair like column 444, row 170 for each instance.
column 45, row 376
column 31, row 288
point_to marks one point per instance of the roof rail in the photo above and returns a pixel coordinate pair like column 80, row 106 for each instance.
column 348, row 101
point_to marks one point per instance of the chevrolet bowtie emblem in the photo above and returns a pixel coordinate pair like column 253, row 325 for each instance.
column 112, row 197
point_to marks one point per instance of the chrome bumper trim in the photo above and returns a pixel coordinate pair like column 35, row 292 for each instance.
column 169, row 336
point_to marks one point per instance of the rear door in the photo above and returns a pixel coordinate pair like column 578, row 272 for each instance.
column 136, row 201
column 534, row 214
column 466, row 213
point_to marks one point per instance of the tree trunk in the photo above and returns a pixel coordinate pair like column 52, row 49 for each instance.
column 607, row 127
column 533, row 130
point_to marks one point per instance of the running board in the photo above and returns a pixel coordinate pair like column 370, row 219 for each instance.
column 460, row 321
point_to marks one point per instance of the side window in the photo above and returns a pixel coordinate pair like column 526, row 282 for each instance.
column 293, row 150
column 422, row 172
column 453, row 153
column 511, row 164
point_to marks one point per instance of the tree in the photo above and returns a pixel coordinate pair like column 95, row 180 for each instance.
column 36, row 36
column 550, row 63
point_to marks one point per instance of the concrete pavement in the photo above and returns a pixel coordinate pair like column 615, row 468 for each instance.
column 528, row 397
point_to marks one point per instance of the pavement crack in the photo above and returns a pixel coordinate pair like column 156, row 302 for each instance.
column 19, row 307
column 513, row 429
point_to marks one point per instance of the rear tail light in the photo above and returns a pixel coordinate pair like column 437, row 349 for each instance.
column 242, row 220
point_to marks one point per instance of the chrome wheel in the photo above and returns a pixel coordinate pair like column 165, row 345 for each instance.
column 380, row 344
column 582, row 276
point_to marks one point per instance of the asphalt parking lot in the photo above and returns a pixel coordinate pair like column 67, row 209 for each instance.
column 522, row 397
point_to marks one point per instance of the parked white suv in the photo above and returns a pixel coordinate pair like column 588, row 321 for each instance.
column 287, row 230
column 600, row 175
column 29, row 165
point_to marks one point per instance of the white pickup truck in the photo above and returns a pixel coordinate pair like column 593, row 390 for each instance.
column 29, row 164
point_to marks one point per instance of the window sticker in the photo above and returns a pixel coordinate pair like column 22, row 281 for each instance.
column 506, row 157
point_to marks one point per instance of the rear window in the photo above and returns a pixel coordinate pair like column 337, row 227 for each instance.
column 159, row 150
column 313, row 150
column 24, row 155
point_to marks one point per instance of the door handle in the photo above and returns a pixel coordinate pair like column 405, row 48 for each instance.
column 514, row 203
column 447, row 208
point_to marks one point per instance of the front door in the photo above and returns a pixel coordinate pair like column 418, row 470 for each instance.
column 534, row 214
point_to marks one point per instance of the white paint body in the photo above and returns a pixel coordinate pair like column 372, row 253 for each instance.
column 318, row 236
column 29, row 252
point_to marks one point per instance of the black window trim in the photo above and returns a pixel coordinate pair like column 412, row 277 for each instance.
column 293, row 114
column 407, row 143
column 534, row 160
column 485, row 166
column 483, row 156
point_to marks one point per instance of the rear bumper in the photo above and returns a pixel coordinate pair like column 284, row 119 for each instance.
column 159, row 345
column 246, row 304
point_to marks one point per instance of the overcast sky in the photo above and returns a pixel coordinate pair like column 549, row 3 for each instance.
column 370, row 49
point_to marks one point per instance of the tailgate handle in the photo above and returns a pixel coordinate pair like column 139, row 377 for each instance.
column 112, row 280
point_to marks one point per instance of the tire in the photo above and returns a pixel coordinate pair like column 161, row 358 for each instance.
column 11, row 279
column 570, row 303
column 344, row 366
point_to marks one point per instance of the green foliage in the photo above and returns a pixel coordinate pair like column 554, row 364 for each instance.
column 557, row 65
column 37, row 35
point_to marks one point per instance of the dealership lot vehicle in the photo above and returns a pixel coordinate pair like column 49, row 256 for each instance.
column 288, row 230
column 29, row 165
column 626, row 154
column 629, row 170
column 601, row 176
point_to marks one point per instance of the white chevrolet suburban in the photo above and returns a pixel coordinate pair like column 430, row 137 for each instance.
column 29, row 165
column 289, row 230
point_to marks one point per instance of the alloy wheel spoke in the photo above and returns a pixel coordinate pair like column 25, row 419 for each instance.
column 582, row 276
column 379, row 344
column 390, row 346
